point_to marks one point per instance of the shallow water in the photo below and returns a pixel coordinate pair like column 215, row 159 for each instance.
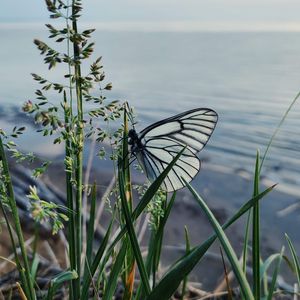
column 248, row 78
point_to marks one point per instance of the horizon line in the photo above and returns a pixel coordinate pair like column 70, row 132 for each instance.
column 167, row 26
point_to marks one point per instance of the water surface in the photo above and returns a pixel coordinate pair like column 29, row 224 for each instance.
column 248, row 78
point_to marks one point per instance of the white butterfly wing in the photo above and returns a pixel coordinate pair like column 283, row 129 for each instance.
column 163, row 140
column 159, row 153
column 192, row 128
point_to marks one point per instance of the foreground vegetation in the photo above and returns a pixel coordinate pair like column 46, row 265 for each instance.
column 95, row 271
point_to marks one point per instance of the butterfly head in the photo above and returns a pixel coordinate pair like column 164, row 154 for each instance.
column 132, row 137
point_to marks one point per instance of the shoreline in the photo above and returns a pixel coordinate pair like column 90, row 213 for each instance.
column 224, row 193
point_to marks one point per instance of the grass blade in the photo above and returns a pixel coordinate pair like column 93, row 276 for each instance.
column 246, row 241
column 239, row 274
column 187, row 249
column 256, row 234
column 153, row 188
column 275, row 274
column 14, row 247
column 295, row 258
column 131, row 232
column 172, row 279
column 69, row 195
column 9, row 193
column 266, row 265
column 57, row 281
column 89, row 275
column 229, row 291
column 34, row 267
column 129, row 262
column 90, row 230
column 277, row 130
column 114, row 274
column 156, row 239
column 160, row 231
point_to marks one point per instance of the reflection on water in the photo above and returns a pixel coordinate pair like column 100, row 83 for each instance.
column 248, row 78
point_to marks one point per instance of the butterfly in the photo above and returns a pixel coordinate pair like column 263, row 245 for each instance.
column 157, row 145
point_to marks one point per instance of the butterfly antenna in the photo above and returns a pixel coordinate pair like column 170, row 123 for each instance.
column 133, row 124
column 130, row 114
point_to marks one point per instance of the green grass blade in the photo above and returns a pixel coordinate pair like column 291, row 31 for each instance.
column 295, row 258
column 246, row 241
column 172, row 279
column 277, row 130
column 160, row 231
column 34, row 267
column 114, row 274
column 264, row 280
column 14, row 248
column 132, row 235
column 266, row 265
column 58, row 280
column 89, row 275
column 158, row 246
column 145, row 200
column 163, row 222
column 228, row 288
column 187, row 249
column 239, row 274
column 69, row 195
column 275, row 274
column 155, row 239
column 129, row 262
column 256, row 234
column 28, row 283
column 90, row 230
column 153, row 188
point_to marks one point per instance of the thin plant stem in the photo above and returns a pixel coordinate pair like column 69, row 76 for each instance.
column 256, row 234
column 69, row 188
column 36, row 240
column 70, row 205
column 15, row 215
column 85, row 195
column 14, row 247
column 276, row 130
column 246, row 241
column 69, row 65
column 187, row 250
column 79, row 156
column 129, row 258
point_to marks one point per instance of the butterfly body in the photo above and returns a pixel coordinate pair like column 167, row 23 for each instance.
column 137, row 149
column 134, row 140
column 158, row 144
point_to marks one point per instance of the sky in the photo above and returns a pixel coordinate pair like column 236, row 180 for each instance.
column 169, row 14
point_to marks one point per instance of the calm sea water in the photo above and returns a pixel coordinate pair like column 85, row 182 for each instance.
column 248, row 78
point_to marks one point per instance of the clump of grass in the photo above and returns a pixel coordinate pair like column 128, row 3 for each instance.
column 96, row 271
